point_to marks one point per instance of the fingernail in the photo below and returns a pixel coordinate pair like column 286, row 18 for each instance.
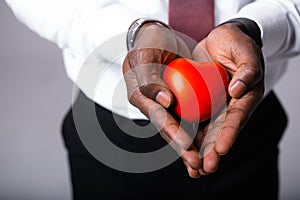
column 238, row 89
column 164, row 99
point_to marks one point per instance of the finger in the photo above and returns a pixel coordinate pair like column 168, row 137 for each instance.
column 148, row 73
column 191, row 156
column 198, row 142
column 163, row 121
column 202, row 172
column 249, row 72
column 211, row 160
column 199, row 138
column 174, row 134
column 154, row 89
column 234, row 121
column 238, row 113
column 170, row 130
column 209, row 136
column 152, row 86
column 192, row 172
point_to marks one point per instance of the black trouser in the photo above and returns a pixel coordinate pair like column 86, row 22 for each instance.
column 248, row 171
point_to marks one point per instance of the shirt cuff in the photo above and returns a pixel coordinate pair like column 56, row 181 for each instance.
column 272, row 22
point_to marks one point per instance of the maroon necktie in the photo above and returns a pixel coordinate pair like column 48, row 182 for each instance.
column 194, row 18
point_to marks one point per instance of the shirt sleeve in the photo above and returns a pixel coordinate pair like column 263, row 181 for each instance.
column 92, row 36
column 279, row 21
column 77, row 25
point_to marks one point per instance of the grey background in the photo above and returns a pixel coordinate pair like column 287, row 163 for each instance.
column 35, row 95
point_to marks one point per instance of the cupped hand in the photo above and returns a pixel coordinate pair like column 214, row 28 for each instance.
column 243, row 60
column 154, row 47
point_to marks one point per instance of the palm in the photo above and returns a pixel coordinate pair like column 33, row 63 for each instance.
column 244, row 64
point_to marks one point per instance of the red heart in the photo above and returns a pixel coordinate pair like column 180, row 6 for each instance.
column 200, row 89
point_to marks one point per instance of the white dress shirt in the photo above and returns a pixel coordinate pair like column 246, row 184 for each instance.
column 92, row 36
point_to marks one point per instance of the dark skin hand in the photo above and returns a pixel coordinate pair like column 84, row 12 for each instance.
column 242, row 58
column 154, row 47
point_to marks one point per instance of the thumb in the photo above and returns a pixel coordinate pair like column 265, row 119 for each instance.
column 155, row 88
column 250, row 71
column 147, row 67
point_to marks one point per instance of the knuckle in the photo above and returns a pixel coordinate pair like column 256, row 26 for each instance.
column 173, row 126
column 168, row 139
column 151, row 89
column 134, row 96
column 158, row 115
column 253, row 71
column 243, row 114
column 147, row 89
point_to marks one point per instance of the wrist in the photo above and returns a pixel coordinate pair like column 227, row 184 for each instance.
column 136, row 26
